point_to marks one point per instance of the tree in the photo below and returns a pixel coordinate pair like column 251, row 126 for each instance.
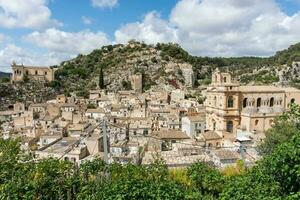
column 276, row 176
column 101, row 79
column 285, row 127
column 207, row 179
column 4, row 79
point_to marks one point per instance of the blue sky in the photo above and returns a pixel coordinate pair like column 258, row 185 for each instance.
column 46, row 32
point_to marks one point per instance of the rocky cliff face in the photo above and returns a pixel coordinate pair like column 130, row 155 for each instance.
column 119, row 62
column 289, row 74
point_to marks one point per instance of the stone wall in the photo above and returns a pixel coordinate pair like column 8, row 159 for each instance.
column 36, row 73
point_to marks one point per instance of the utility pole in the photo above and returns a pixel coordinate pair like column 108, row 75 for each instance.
column 242, row 150
column 105, row 141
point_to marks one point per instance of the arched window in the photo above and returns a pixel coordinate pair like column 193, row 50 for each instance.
column 45, row 73
column 271, row 102
column 214, row 125
column 245, row 102
column 256, row 122
column 292, row 100
column 258, row 102
column 230, row 102
column 215, row 100
column 36, row 72
column 224, row 79
column 229, row 127
column 26, row 72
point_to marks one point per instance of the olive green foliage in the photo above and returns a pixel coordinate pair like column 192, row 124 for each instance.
column 263, row 77
column 287, row 56
column 91, row 106
column 276, row 176
column 4, row 79
column 101, row 79
column 207, row 179
column 126, row 85
column 285, row 127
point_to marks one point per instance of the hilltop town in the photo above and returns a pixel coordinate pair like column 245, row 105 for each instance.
column 127, row 118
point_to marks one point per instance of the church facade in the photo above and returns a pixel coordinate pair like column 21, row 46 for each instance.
column 231, row 106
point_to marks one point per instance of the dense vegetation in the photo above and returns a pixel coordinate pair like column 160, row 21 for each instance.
column 275, row 176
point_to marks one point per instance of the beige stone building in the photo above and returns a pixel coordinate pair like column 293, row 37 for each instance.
column 136, row 81
column 230, row 106
column 37, row 73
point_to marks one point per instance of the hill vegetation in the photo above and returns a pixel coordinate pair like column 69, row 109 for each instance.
column 152, row 59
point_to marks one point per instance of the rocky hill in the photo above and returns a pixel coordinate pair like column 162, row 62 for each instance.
column 163, row 67
column 160, row 70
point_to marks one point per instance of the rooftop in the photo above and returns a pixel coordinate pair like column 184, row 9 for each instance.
column 227, row 155
column 211, row 135
column 170, row 134
column 260, row 88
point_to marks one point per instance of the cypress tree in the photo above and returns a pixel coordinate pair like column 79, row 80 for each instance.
column 101, row 79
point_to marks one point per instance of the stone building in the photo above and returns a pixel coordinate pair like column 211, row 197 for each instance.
column 230, row 106
column 188, row 74
column 136, row 81
column 36, row 73
column 193, row 125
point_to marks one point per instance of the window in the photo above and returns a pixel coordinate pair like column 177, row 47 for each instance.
column 245, row 102
column 214, row 125
column 258, row 102
column 45, row 73
column 230, row 102
column 271, row 102
column 215, row 100
column 36, row 72
column 27, row 72
column 224, row 79
column 229, row 127
column 256, row 122
column 292, row 100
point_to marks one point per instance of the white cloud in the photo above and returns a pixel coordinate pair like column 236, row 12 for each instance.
column 104, row 3
column 152, row 29
column 20, row 55
column 26, row 14
column 86, row 20
column 2, row 37
column 219, row 28
column 68, row 42
column 55, row 46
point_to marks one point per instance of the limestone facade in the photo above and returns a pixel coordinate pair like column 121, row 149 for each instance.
column 36, row 73
column 136, row 81
column 230, row 106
